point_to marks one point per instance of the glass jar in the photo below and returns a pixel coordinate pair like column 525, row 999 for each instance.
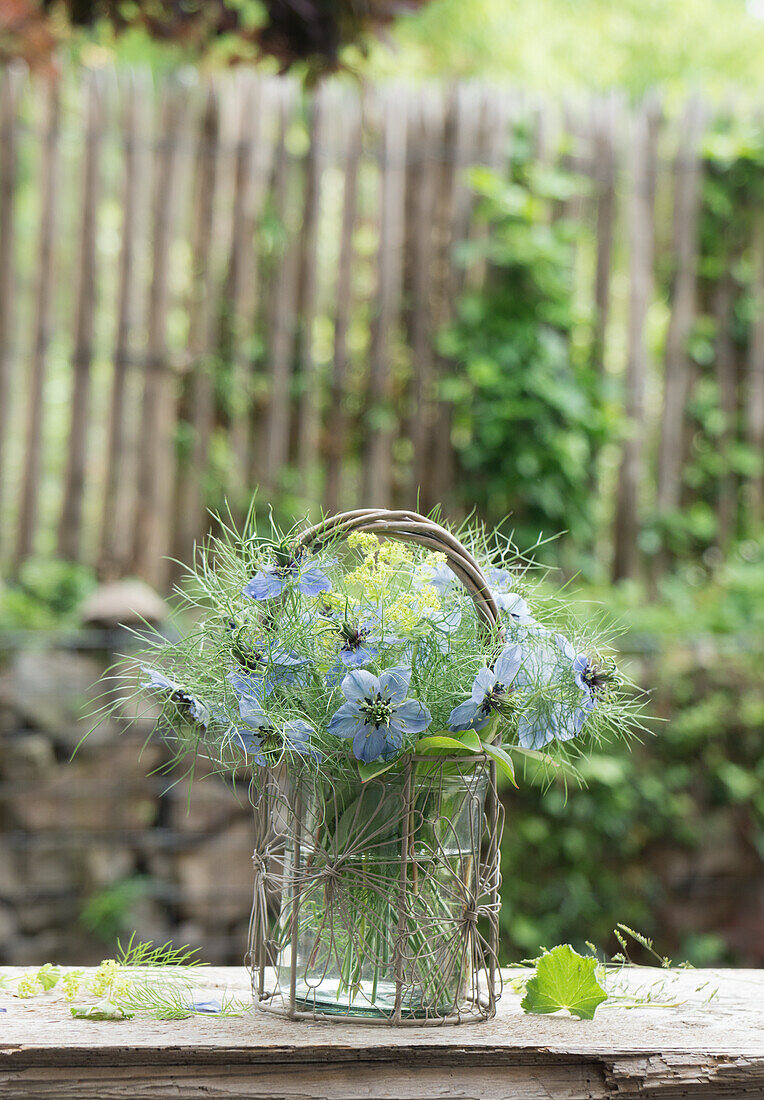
column 381, row 892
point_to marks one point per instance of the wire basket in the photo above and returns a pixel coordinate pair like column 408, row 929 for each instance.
column 378, row 901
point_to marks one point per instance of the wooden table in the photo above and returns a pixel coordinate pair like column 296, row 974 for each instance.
column 701, row 1049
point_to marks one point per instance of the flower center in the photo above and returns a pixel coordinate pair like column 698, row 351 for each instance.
column 377, row 711
column 354, row 637
column 493, row 699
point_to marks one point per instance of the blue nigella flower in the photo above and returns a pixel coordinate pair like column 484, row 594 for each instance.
column 377, row 713
column 547, row 719
column 270, row 581
column 438, row 574
column 490, row 690
column 592, row 679
column 249, row 692
column 298, row 733
column 194, row 707
column 501, row 582
column 270, row 663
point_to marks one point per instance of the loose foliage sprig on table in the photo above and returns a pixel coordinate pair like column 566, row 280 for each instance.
column 346, row 661
column 145, row 980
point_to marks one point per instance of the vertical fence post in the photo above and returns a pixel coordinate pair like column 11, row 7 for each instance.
column 336, row 420
column 70, row 526
column 309, row 412
column 282, row 304
column 643, row 166
column 677, row 365
column 112, row 553
column 378, row 427
column 198, row 382
column 8, row 170
column 33, row 442
column 153, row 484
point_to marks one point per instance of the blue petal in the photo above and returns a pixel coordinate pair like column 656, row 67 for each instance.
column 298, row 733
column 499, row 581
column 412, row 716
column 312, row 581
column 247, row 686
column 265, row 585
column 394, row 683
column 565, row 646
column 439, row 575
column 253, row 715
column 370, row 742
column 358, row 656
column 533, row 730
column 345, row 721
column 251, row 744
column 514, row 605
column 158, row 679
column 484, row 682
column 508, row 664
column 467, row 716
column 359, row 684
column 206, row 1007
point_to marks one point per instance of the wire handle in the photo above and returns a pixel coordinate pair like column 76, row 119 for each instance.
column 412, row 527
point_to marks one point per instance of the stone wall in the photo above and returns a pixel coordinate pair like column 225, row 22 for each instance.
column 97, row 845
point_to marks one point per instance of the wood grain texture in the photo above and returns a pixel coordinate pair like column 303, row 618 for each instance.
column 700, row 1049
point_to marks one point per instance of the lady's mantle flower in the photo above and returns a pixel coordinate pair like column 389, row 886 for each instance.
column 377, row 713
column 157, row 681
column 490, row 692
column 272, row 580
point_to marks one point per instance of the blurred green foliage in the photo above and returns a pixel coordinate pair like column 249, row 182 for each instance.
column 670, row 835
column 551, row 45
column 45, row 594
column 719, row 460
column 527, row 411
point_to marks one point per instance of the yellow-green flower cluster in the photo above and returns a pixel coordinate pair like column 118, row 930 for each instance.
column 386, row 576
column 70, row 983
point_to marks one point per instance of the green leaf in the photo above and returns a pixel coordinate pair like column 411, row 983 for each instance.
column 48, row 976
column 503, row 761
column 533, row 754
column 441, row 742
column 564, row 979
column 104, row 1010
column 377, row 767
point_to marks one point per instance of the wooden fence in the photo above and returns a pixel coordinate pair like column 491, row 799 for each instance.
column 208, row 287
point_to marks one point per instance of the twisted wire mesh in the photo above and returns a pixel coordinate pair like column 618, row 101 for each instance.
column 379, row 900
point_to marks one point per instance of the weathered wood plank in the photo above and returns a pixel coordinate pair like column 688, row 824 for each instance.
column 704, row 1049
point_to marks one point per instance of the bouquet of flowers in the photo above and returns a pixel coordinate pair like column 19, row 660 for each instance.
column 374, row 674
